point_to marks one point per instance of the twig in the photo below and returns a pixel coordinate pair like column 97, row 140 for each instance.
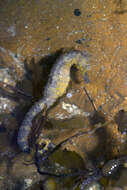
column 91, row 101
column 15, row 89
column 81, row 133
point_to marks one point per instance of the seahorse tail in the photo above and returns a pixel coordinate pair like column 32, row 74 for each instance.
column 26, row 125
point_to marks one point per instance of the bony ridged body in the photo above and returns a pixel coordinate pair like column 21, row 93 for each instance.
column 57, row 84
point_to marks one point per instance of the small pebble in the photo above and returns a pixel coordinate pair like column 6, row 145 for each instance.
column 78, row 41
column 27, row 183
column 50, row 184
column 77, row 12
column 69, row 95
column 94, row 186
column 48, row 39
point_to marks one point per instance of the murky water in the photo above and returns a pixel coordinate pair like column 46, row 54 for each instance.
column 32, row 35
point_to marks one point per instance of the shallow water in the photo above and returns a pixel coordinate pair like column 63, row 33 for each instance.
column 32, row 34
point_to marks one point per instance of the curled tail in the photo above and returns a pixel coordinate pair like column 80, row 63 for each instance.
column 26, row 125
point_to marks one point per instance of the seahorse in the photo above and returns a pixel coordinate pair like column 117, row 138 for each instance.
column 56, row 87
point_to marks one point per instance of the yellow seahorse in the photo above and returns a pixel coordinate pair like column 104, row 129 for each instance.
column 57, row 84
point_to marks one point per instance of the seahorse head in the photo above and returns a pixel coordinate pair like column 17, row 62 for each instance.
column 82, row 62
